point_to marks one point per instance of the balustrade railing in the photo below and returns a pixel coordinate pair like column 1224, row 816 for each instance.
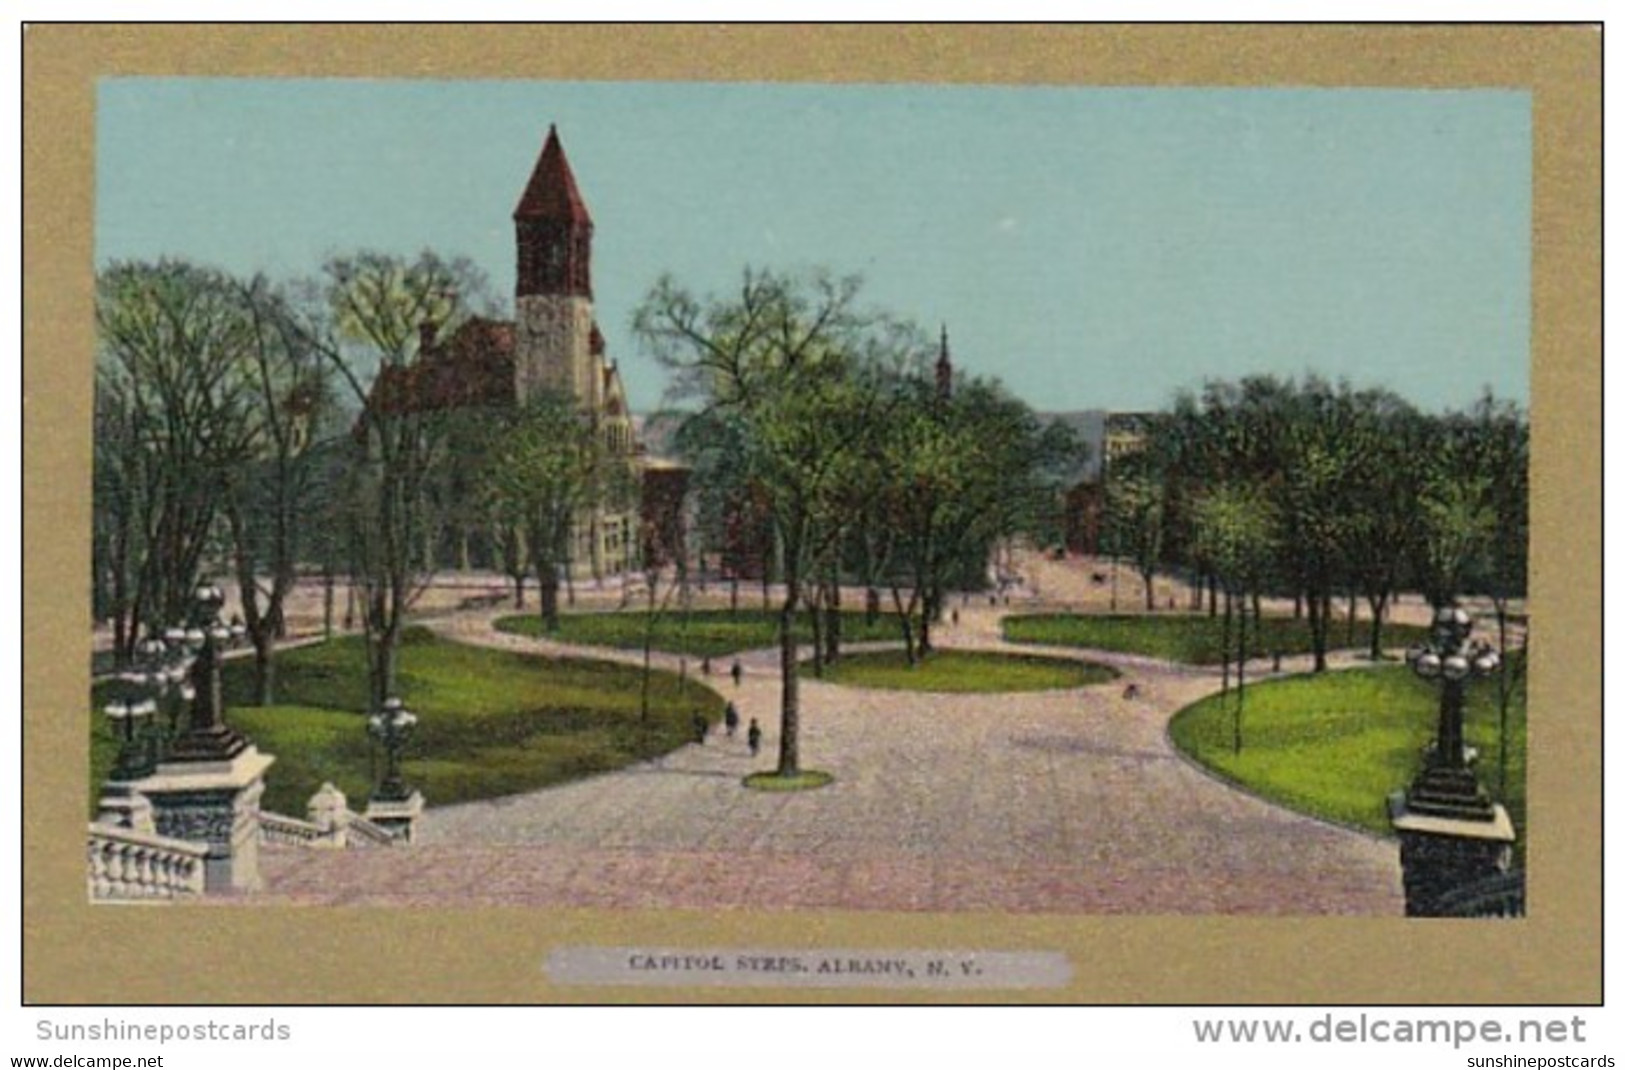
column 128, row 865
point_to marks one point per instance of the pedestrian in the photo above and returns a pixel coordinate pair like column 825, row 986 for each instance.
column 730, row 719
column 738, row 672
column 753, row 736
column 956, row 618
column 702, row 727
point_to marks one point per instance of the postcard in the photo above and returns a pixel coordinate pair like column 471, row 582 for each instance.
column 1035, row 515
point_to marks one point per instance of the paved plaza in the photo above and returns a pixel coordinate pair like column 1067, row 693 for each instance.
column 1046, row 802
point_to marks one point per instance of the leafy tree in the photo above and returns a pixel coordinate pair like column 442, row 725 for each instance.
column 782, row 364
column 175, row 416
column 368, row 323
column 1236, row 530
column 1136, row 512
column 276, row 489
column 546, row 468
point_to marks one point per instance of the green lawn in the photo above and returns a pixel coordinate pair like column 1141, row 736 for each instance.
column 490, row 722
column 701, row 633
column 1335, row 744
column 960, row 670
column 1192, row 639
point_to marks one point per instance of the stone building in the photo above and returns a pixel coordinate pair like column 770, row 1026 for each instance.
column 552, row 344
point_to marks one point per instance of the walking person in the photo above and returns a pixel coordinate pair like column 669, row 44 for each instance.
column 753, row 736
column 738, row 672
column 730, row 719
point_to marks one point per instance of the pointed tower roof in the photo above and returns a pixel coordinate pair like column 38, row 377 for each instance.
column 551, row 193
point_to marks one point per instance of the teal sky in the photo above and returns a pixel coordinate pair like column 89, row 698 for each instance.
column 1093, row 248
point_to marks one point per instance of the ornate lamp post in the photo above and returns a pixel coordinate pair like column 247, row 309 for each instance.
column 129, row 723
column 394, row 805
column 1447, row 787
column 1452, row 835
column 206, row 736
column 392, row 727
column 205, row 785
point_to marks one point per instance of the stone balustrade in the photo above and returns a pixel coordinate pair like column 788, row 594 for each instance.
column 126, row 864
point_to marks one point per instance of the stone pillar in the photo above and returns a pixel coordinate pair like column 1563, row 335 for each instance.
column 399, row 816
column 1440, row 854
column 329, row 811
column 123, row 805
column 216, row 803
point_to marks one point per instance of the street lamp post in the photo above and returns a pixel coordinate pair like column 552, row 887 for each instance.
column 392, row 727
column 1452, row 835
column 394, row 805
column 129, row 723
column 203, row 783
column 1447, row 786
column 207, row 737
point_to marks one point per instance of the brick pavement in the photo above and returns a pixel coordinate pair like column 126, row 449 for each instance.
column 1051, row 802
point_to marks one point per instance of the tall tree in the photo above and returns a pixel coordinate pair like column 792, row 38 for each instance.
column 370, row 325
column 1236, row 529
column 175, row 417
column 548, row 467
column 1136, row 499
column 782, row 363
column 271, row 495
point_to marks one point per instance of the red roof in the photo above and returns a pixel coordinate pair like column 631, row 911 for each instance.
column 474, row 367
column 551, row 193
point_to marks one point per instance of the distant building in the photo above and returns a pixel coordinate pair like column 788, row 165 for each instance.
column 1110, row 437
column 1125, row 433
column 553, row 344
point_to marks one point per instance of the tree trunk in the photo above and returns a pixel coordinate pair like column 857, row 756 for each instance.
column 1379, row 605
column 1352, row 606
column 548, row 582
column 925, row 623
column 327, row 604
column 1212, row 596
column 1241, row 671
column 1320, row 613
column 264, row 669
column 817, row 622
column 1224, row 646
column 790, row 689
column 905, row 619
column 832, row 621
column 1148, row 575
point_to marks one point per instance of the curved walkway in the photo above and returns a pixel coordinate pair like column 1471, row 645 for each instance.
column 1057, row 802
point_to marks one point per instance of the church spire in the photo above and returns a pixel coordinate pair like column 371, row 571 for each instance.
column 553, row 230
column 945, row 369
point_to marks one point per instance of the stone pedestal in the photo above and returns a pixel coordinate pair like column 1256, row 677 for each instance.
column 329, row 811
column 216, row 803
column 399, row 816
column 1439, row 855
column 122, row 804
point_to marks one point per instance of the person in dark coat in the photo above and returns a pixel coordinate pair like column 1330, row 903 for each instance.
column 738, row 672
column 730, row 719
column 753, row 736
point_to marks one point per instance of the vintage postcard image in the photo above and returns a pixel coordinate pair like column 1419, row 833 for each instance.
column 1052, row 501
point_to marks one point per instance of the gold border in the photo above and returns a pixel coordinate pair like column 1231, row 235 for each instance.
column 77, row 954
